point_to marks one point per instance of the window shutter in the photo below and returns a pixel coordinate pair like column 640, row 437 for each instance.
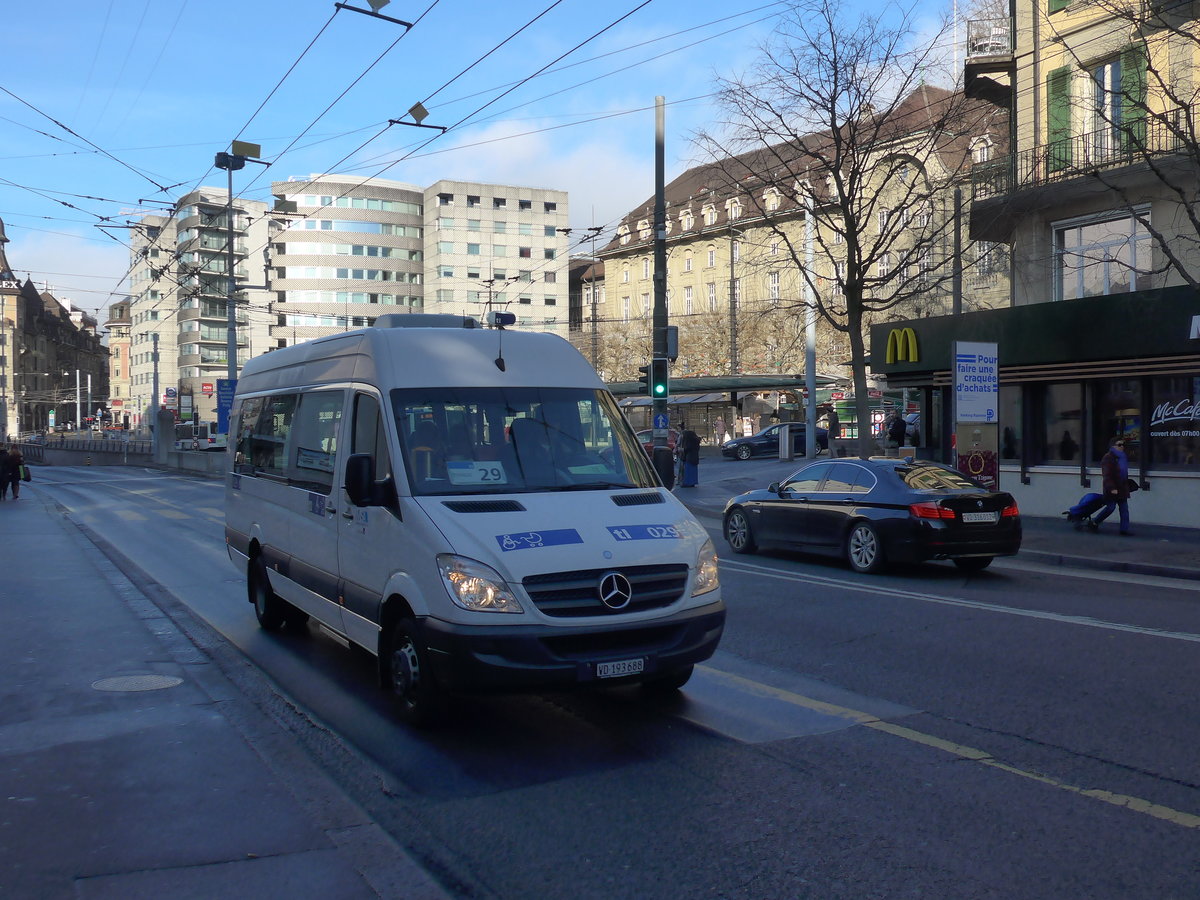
column 1134, row 64
column 1058, row 93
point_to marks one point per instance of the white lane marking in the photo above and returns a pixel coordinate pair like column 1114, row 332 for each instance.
column 884, row 591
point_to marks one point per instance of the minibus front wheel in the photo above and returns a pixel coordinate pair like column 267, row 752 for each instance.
column 269, row 608
column 417, row 694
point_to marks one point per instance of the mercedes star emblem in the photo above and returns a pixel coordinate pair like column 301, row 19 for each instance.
column 615, row 590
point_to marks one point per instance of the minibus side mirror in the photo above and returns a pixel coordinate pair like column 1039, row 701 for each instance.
column 361, row 486
column 359, row 469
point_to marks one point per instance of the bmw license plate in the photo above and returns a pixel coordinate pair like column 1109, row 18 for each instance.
column 620, row 667
column 988, row 517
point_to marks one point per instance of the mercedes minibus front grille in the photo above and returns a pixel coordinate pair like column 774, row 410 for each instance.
column 573, row 594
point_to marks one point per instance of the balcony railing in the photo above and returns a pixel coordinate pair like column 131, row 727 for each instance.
column 1077, row 156
column 989, row 37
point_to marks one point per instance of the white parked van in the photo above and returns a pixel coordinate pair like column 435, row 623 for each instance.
column 470, row 506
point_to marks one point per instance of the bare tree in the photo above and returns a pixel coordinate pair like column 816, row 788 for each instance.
column 838, row 123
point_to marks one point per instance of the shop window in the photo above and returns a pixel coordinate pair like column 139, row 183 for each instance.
column 1062, row 423
column 1174, row 422
column 1011, row 422
column 1117, row 412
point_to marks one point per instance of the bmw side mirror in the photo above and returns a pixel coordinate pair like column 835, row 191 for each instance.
column 773, row 487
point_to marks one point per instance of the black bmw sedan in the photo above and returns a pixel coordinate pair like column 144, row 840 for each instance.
column 876, row 511
column 767, row 441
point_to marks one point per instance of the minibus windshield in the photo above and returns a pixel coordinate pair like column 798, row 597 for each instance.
column 508, row 440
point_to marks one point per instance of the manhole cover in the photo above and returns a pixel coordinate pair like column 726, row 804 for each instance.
column 137, row 683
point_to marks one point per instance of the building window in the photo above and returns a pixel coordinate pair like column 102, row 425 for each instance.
column 443, row 199
column 1098, row 256
column 981, row 149
column 645, row 268
column 884, row 265
column 446, row 271
column 549, row 253
column 773, row 285
column 735, row 209
column 499, row 227
column 774, row 248
column 473, row 224
column 1172, row 427
column 625, row 275
column 525, row 252
column 472, row 249
column 687, row 220
column 687, row 261
column 625, row 308
column 710, row 215
column 472, row 273
column 712, row 257
column 472, row 201
column 524, row 204
column 550, row 277
column 549, row 206
column 646, row 309
column 499, row 203
column 688, row 300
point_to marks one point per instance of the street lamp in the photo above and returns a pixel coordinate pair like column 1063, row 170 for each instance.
column 241, row 153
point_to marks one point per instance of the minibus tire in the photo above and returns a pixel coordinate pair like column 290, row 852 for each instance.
column 417, row 696
column 269, row 609
column 668, row 683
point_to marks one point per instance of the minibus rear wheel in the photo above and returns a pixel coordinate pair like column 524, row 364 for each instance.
column 269, row 608
column 417, row 695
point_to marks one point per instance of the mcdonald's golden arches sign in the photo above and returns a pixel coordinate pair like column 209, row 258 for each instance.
column 902, row 346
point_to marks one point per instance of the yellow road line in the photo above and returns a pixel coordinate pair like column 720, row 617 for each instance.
column 1134, row 804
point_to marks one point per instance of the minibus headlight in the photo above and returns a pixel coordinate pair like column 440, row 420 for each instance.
column 476, row 587
column 707, row 578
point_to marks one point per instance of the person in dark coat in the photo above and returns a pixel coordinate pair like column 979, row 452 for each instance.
column 10, row 472
column 689, row 453
column 5, row 475
column 1114, row 468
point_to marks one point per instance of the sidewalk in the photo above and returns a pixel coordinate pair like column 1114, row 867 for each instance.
column 1151, row 550
column 133, row 767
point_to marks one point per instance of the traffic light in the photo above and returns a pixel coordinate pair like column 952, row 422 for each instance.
column 644, row 378
column 660, row 378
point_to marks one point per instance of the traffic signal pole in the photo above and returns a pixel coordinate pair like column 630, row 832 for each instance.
column 663, row 462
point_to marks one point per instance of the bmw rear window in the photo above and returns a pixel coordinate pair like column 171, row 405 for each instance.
column 935, row 478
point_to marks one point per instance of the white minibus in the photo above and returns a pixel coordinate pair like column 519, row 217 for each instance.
column 467, row 504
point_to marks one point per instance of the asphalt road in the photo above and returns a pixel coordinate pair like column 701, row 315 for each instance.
column 1020, row 732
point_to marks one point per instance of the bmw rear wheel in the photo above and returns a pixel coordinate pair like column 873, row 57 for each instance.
column 864, row 549
column 738, row 533
column 744, row 452
column 973, row 563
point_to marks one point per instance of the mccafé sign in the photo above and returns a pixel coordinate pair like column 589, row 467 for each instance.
column 902, row 346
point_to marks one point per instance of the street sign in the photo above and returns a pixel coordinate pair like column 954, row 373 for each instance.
column 225, row 389
column 661, row 420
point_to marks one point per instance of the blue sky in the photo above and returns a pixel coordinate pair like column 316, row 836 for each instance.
column 161, row 87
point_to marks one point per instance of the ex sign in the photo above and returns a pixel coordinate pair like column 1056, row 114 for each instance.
column 976, row 381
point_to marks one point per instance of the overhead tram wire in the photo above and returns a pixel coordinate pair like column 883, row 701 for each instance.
column 73, row 133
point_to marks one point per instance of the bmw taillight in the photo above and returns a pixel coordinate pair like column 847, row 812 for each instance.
column 1010, row 510
column 930, row 510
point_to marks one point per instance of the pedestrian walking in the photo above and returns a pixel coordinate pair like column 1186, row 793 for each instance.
column 894, row 430
column 719, row 430
column 14, row 463
column 689, row 453
column 1114, row 469
column 833, row 424
column 4, row 477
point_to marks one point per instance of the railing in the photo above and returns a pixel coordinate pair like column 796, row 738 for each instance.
column 989, row 37
column 1077, row 156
